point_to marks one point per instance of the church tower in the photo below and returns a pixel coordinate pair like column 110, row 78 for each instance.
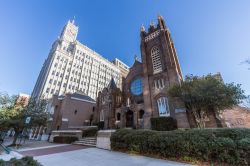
column 161, row 69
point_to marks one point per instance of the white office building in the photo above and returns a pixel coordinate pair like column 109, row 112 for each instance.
column 72, row 66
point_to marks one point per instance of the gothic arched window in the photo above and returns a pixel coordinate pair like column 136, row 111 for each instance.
column 163, row 108
column 156, row 59
column 141, row 113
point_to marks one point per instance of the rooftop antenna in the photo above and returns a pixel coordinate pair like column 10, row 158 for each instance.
column 73, row 21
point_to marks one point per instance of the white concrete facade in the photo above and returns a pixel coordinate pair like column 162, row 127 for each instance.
column 72, row 66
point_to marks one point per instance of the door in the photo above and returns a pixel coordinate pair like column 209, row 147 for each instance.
column 129, row 118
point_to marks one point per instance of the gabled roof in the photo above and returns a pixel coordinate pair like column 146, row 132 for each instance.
column 82, row 96
column 136, row 63
column 112, row 84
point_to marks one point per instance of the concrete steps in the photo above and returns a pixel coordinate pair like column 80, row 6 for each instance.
column 86, row 141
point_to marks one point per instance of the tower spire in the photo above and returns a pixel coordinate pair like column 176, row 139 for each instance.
column 142, row 28
column 161, row 22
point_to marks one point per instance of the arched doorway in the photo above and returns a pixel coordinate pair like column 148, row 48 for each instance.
column 129, row 118
column 141, row 113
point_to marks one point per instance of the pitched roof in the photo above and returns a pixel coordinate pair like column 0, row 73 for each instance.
column 112, row 84
column 82, row 96
column 137, row 62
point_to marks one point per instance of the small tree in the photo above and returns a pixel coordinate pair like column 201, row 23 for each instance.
column 205, row 95
column 13, row 114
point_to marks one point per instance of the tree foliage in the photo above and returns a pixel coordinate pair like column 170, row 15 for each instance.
column 14, row 111
column 247, row 102
column 205, row 95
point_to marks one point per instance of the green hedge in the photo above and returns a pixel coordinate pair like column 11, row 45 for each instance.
column 65, row 139
column 230, row 146
column 25, row 161
column 163, row 123
column 90, row 132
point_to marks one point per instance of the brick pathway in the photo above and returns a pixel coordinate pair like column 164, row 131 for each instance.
column 52, row 150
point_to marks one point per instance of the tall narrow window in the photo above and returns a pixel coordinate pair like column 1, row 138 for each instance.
column 102, row 116
column 118, row 116
column 163, row 108
column 156, row 60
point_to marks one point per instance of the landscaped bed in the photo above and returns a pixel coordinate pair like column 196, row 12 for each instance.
column 25, row 161
column 225, row 146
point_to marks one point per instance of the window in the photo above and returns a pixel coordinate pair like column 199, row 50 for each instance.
column 159, row 84
column 136, row 86
column 163, row 108
column 102, row 116
column 75, row 112
column 50, row 81
column 156, row 60
column 47, row 90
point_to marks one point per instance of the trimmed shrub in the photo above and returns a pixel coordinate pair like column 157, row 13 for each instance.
column 90, row 132
column 20, row 162
column 65, row 139
column 231, row 146
column 163, row 123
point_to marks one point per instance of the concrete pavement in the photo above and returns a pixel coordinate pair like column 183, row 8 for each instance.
column 99, row 157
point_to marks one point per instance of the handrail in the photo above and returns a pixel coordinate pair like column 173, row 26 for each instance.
column 7, row 150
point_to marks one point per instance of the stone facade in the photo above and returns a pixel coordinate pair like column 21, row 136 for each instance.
column 237, row 117
column 144, row 93
column 72, row 111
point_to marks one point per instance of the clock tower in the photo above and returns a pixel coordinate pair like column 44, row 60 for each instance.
column 69, row 32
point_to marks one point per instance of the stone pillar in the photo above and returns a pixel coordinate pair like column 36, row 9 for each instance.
column 30, row 133
column 40, row 133
column 34, row 132
column 37, row 132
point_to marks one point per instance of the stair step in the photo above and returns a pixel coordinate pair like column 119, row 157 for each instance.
column 86, row 141
column 83, row 143
column 94, row 145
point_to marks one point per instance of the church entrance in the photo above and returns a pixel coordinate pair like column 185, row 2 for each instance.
column 129, row 118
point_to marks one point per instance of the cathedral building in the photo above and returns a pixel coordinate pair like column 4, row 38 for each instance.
column 144, row 94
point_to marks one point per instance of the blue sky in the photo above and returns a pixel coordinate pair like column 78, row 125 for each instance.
column 210, row 35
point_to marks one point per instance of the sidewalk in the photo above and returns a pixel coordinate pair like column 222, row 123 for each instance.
column 51, row 150
column 30, row 144
column 99, row 157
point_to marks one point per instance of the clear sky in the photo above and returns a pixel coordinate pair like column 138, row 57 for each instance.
column 210, row 35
